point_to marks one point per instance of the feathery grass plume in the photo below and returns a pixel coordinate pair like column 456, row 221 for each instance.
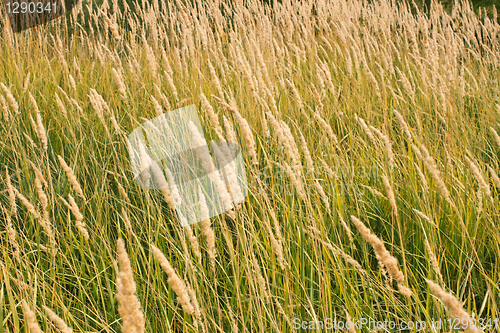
column 365, row 128
column 387, row 144
column 245, row 129
column 120, row 83
column 322, row 194
column 403, row 124
column 163, row 98
column 10, row 98
column 328, row 170
column 72, row 82
column 41, row 193
column 196, row 305
column 229, row 169
column 79, row 217
column 383, row 256
column 390, row 194
column 171, row 84
column 347, row 229
column 434, row 171
column 425, row 217
column 422, row 178
column 61, row 106
column 307, row 154
column 230, row 134
column 375, row 192
column 335, row 249
column 30, row 318
column 328, row 129
column 215, row 78
column 288, row 136
column 214, row 175
column 434, row 261
column 192, row 239
column 11, row 192
column 58, row 322
column 5, row 108
column 286, row 139
column 159, row 178
column 214, row 120
column 260, row 278
column 295, row 93
column 265, row 126
column 174, row 281
column 122, row 191
column 495, row 135
column 12, row 234
column 157, row 106
column 494, row 176
column 96, row 104
column 27, row 203
column 129, row 306
column 71, row 176
column 174, row 190
column 206, row 227
column 126, row 220
column 454, row 307
column 39, row 128
column 296, row 181
column 479, row 177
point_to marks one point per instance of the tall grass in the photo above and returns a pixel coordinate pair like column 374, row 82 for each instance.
column 342, row 108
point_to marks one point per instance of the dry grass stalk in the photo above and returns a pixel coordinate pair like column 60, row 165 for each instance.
column 214, row 120
column 454, row 307
column 79, row 217
column 27, row 204
column 434, row 261
column 58, row 322
column 387, row 144
column 403, row 125
column 5, row 108
column 61, row 106
column 10, row 98
column 12, row 234
column 479, row 177
column 30, row 318
column 434, row 171
column 425, row 217
column 120, row 83
column 214, row 175
column 194, row 242
column 39, row 128
column 71, row 176
column 245, row 129
column 129, row 306
column 230, row 134
column 328, row 129
column 206, row 227
column 383, row 256
column 335, row 249
column 494, row 176
column 11, row 192
column 174, row 281
column 390, row 194
column 495, row 135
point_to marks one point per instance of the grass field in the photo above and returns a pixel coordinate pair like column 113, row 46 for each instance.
column 369, row 133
